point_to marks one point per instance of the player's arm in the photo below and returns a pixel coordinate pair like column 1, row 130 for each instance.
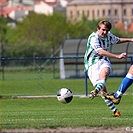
column 111, row 55
column 122, row 40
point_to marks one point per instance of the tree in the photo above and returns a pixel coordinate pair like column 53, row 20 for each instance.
column 42, row 34
column 39, row 33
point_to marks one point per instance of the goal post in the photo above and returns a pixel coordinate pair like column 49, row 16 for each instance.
column 62, row 67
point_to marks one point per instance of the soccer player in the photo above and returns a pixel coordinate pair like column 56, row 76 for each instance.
column 96, row 59
column 127, row 81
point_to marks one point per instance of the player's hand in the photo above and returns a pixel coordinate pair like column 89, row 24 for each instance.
column 131, row 39
column 122, row 55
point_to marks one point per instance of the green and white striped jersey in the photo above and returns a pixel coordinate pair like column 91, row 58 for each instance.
column 95, row 43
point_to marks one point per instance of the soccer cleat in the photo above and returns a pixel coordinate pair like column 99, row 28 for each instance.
column 103, row 93
column 112, row 98
column 92, row 94
column 117, row 113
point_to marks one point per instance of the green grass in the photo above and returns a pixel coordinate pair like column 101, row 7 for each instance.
column 81, row 112
column 49, row 112
column 34, row 83
column 37, row 84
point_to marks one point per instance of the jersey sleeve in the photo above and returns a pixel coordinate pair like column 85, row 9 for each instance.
column 114, row 39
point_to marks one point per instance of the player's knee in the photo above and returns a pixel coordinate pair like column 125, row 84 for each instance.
column 131, row 70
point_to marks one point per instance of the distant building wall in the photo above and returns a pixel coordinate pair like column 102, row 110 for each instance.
column 43, row 8
column 115, row 10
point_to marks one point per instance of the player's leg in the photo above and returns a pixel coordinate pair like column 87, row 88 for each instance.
column 98, row 78
column 127, row 81
column 103, row 72
column 110, row 104
column 100, row 85
column 94, row 77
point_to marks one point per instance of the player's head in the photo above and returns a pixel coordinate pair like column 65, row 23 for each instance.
column 106, row 23
column 103, row 28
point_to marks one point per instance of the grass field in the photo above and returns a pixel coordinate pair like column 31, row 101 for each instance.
column 42, row 113
column 49, row 113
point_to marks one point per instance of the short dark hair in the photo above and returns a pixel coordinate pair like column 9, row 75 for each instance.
column 106, row 23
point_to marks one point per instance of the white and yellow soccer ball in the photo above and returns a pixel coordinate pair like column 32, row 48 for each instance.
column 64, row 95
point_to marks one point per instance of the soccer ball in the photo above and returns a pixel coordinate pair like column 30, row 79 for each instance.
column 64, row 95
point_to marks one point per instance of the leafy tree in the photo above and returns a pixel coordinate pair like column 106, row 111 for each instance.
column 38, row 33
column 82, row 29
column 3, row 28
column 3, row 32
column 42, row 34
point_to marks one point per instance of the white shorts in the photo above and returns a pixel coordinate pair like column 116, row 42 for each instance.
column 95, row 69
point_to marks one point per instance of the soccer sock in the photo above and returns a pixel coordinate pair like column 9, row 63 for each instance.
column 100, row 85
column 110, row 104
column 127, row 81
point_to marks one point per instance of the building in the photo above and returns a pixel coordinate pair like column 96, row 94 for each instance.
column 114, row 10
column 48, row 7
column 45, row 6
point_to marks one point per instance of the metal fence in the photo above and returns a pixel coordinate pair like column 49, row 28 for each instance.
column 37, row 72
column 77, row 47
